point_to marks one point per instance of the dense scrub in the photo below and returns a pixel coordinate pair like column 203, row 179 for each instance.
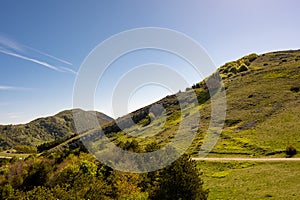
column 77, row 175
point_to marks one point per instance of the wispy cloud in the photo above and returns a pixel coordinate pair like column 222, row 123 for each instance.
column 4, row 41
column 50, row 56
column 29, row 59
column 5, row 87
column 12, row 48
column 65, row 69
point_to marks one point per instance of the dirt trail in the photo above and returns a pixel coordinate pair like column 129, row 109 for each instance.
column 248, row 159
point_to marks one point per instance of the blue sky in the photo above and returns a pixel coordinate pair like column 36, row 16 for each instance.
column 43, row 43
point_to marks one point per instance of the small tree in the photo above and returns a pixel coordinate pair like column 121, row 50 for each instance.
column 181, row 180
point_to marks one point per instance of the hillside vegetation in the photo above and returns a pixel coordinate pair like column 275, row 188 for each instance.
column 263, row 104
column 59, row 126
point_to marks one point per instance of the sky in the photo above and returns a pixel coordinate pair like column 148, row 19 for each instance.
column 44, row 43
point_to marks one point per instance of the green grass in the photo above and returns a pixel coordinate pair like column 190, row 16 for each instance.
column 267, row 110
column 276, row 74
column 248, row 180
column 262, row 116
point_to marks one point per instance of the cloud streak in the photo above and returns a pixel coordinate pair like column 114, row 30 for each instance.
column 10, row 44
column 29, row 59
column 12, row 48
column 50, row 56
column 10, row 88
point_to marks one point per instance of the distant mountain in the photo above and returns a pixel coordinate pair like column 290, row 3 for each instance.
column 44, row 129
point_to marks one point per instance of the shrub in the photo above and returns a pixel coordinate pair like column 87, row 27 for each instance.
column 132, row 146
column 247, row 62
column 153, row 146
column 252, row 57
column 7, row 192
column 242, row 68
column 25, row 149
column 295, row 89
column 290, row 151
column 197, row 85
column 225, row 71
column 233, row 70
column 37, row 174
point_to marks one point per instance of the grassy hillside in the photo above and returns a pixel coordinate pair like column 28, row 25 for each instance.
column 263, row 104
column 43, row 130
column 251, row 180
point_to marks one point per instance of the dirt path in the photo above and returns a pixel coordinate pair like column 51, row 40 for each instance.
column 5, row 157
column 248, row 159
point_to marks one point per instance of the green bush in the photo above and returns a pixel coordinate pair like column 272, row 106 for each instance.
column 246, row 62
column 251, row 57
column 295, row 89
column 25, row 149
column 233, row 70
column 290, row 151
column 242, row 68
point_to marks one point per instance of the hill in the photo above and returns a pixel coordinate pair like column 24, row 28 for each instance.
column 262, row 93
column 263, row 104
column 36, row 132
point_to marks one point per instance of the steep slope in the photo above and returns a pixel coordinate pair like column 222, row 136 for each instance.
column 262, row 119
column 263, row 104
column 44, row 129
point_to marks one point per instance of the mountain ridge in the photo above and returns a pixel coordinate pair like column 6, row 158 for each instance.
column 44, row 129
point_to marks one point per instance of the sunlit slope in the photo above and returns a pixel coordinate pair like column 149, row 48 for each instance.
column 263, row 103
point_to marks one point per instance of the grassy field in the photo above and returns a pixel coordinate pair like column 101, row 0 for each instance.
column 251, row 180
column 263, row 107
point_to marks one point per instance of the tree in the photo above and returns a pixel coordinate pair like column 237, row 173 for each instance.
column 126, row 185
column 181, row 180
column 37, row 174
